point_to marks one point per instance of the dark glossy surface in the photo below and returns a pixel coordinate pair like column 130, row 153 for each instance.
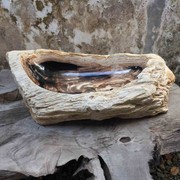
column 56, row 74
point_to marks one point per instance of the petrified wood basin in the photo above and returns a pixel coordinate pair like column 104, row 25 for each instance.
column 59, row 86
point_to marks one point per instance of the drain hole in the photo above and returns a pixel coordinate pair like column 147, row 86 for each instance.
column 125, row 139
column 105, row 168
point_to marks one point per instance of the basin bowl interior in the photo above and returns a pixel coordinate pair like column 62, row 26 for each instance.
column 65, row 76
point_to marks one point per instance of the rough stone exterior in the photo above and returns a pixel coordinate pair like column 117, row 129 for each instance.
column 93, row 26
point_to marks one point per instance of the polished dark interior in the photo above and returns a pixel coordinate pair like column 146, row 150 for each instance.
column 65, row 76
column 56, row 66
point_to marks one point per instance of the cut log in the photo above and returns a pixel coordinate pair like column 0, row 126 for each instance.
column 117, row 149
column 59, row 86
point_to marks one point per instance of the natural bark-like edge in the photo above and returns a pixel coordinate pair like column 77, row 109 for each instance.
column 49, row 107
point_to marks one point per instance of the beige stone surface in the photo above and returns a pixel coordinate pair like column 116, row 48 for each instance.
column 147, row 95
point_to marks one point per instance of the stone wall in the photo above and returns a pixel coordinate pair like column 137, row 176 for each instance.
column 93, row 26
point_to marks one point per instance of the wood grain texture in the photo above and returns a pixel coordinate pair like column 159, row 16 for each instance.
column 167, row 126
column 125, row 147
column 36, row 150
column 145, row 96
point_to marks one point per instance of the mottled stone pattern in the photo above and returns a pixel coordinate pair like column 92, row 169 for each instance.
column 93, row 26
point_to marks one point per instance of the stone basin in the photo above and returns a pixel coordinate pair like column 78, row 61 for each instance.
column 58, row 86
column 54, row 74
